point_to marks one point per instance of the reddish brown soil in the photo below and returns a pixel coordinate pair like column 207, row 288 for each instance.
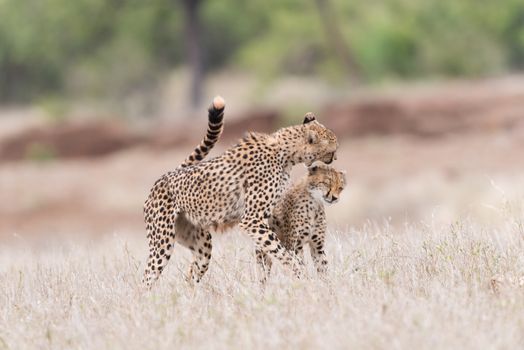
column 99, row 173
column 461, row 108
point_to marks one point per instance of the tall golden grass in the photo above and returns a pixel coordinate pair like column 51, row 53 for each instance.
column 426, row 286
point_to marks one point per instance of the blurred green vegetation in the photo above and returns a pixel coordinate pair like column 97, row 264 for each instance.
column 111, row 47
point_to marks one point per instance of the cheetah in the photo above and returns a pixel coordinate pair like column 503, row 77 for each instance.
column 299, row 217
column 239, row 187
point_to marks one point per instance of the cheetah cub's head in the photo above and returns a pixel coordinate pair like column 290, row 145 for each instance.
column 325, row 183
column 320, row 142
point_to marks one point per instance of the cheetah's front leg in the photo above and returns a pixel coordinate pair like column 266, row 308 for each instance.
column 267, row 242
column 264, row 265
column 317, row 247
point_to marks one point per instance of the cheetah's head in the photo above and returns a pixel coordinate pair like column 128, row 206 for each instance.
column 320, row 143
column 325, row 182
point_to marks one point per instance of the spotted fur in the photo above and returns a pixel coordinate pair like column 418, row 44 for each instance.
column 299, row 217
column 241, row 186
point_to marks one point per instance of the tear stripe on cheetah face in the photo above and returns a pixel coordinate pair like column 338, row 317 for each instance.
column 299, row 216
column 238, row 187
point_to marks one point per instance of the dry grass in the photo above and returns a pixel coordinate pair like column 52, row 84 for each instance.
column 423, row 286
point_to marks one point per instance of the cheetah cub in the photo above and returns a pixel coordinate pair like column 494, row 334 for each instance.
column 299, row 217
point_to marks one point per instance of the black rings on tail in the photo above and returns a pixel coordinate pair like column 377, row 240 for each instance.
column 214, row 129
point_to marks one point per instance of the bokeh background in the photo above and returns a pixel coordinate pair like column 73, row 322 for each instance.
column 98, row 98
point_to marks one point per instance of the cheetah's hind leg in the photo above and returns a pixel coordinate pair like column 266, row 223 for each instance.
column 201, row 256
column 199, row 241
column 160, row 225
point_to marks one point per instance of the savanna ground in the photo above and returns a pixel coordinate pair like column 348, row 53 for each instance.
column 423, row 286
column 425, row 248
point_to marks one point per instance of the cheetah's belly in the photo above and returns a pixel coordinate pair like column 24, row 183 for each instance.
column 217, row 206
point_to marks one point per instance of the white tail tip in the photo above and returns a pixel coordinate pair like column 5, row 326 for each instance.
column 218, row 102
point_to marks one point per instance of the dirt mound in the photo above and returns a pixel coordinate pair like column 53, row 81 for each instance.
column 68, row 141
column 98, row 138
column 450, row 109
column 440, row 113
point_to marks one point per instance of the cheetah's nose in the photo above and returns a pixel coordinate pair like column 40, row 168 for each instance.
column 334, row 198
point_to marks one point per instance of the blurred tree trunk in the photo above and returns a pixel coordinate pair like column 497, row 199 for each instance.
column 194, row 50
column 335, row 38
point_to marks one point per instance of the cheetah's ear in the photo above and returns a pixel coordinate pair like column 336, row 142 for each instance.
column 312, row 137
column 309, row 117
